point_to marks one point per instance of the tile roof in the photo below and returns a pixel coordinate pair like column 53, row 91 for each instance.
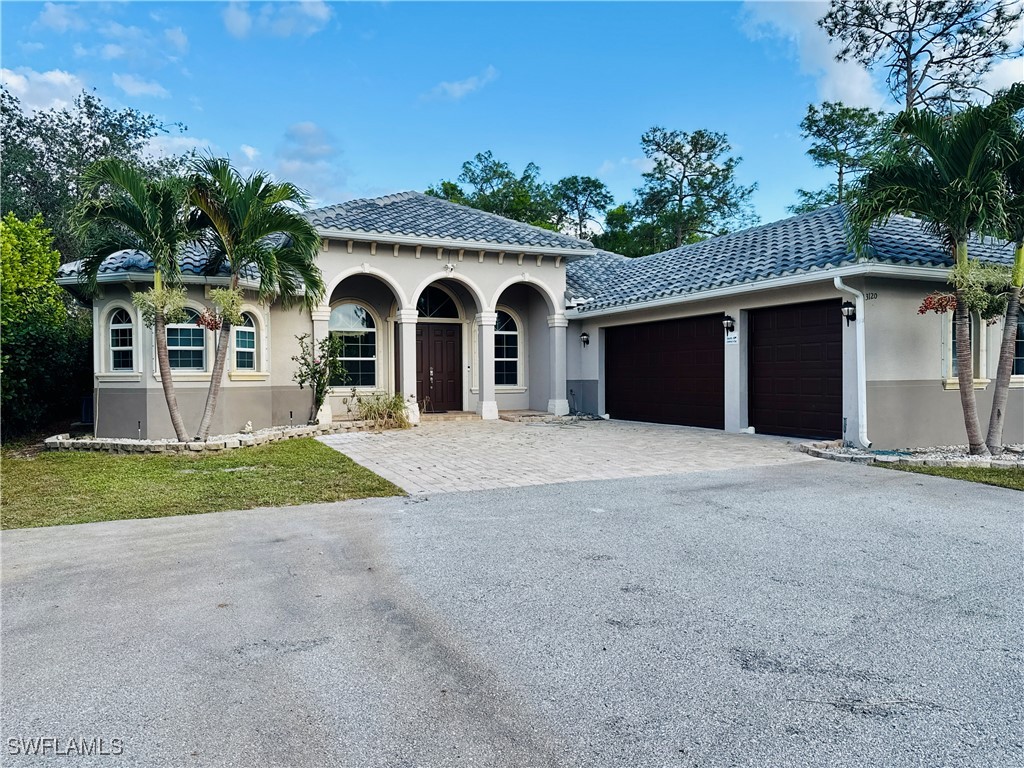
column 193, row 262
column 800, row 244
column 413, row 214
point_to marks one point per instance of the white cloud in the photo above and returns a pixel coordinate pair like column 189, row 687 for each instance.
column 31, row 47
column 796, row 23
column 459, row 89
column 111, row 51
column 309, row 158
column 166, row 145
column 60, row 17
column 282, row 19
column 176, row 37
column 54, row 89
column 237, row 20
column 251, row 153
column 133, row 85
column 1006, row 73
column 643, row 164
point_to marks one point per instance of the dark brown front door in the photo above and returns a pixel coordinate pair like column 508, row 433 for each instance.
column 439, row 366
column 796, row 370
column 670, row 372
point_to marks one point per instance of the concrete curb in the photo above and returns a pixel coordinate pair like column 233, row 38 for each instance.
column 827, row 450
column 216, row 444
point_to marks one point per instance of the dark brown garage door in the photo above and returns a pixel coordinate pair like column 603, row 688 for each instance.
column 671, row 372
column 796, row 370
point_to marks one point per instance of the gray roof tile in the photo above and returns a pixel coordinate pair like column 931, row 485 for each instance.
column 800, row 244
column 193, row 262
column 413, row 214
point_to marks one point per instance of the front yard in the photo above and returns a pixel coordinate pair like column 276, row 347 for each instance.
column 64, row 488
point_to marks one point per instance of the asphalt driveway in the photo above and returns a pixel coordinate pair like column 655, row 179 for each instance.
column 813, row 614
column 440, row 457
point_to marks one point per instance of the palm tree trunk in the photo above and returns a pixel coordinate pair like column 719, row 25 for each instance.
column 1000, row 395
column 216, row 378
column 164, row 365
column 965, row 375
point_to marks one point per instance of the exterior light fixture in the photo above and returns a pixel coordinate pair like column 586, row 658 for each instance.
column 729, row 324
column 585, row 339
column 849, row 312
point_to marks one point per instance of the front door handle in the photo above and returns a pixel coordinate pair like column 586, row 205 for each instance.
column 431, row 377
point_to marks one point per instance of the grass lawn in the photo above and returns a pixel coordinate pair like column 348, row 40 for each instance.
column 1004, row 478
column 70, row 487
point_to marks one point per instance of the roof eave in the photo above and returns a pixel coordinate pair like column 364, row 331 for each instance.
column 113, row 278
column 939, row 274
column 569, row 254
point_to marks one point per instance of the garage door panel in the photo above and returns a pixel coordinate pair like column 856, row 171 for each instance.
column 669, row 372
column 798, row 394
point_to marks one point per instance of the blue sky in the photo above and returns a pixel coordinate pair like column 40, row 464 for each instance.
column 361, row 99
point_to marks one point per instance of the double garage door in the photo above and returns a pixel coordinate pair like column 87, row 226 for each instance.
column 673, row 372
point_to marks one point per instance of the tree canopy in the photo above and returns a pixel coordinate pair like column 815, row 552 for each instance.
column 844, row 138
column 491, row 185
column 46, row 153
column 691, row 192
column 935, row 53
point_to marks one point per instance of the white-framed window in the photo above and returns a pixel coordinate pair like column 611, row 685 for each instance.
column 122, row 341
column 506, row 350
column 186, row 344
column 246, row 350
column 355, row 326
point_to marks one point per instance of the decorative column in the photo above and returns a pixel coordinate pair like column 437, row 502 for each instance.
column 488, row 405
column 406, row 319
column 557, row 402
column 321, row 328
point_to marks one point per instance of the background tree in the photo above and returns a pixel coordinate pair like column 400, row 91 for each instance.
column 123, row 207
column 627, row 234
column 934, row 52
column 254, row 225
column 950, row 174
column 580, row 199
column 46, row 153
column 46, row 359
column 842, row 138
column 1012, row 232
column 491, row 185
column 691, row 192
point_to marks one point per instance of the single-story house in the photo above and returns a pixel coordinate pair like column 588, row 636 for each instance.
column 779, row 328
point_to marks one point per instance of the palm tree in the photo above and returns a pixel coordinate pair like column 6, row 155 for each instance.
column 950, row 175
column 1014, row 233
column 148, row 215
column 255, row 225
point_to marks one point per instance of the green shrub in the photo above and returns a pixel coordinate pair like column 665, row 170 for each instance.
column 384, row 411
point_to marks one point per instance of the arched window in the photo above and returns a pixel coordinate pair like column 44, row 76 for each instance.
column 245, row 344
column 354, row 325
column 506, row 351
column 1018, row 355
column 186, row 344
column 122, row 341
column 436, row 303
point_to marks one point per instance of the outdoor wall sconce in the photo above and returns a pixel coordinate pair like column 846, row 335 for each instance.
column 849, row 312
column 585, row 339
column 729, row 324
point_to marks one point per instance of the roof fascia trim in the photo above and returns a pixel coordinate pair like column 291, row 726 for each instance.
column 570, row 254
column 853, row 270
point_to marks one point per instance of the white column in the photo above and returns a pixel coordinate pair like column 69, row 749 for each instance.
column 488, row 405
column 557, row 402
column 321, row 328
column 736, row 358
column 406, row 319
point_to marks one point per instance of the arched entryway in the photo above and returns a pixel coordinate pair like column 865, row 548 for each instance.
column 445, row 312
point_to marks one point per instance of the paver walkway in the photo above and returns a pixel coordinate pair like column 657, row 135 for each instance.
column 442, row 457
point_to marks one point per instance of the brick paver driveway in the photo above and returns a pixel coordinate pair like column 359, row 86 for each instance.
column 440, row 457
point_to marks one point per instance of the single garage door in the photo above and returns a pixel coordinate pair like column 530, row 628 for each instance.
column 670, row 372
column 796, row 370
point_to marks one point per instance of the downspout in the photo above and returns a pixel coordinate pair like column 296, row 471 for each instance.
column 862, row 371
